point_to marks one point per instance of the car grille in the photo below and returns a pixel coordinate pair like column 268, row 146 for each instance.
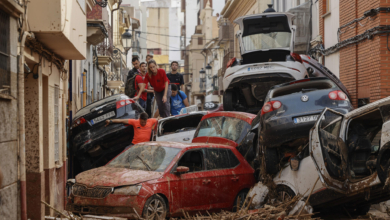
column 96, row 192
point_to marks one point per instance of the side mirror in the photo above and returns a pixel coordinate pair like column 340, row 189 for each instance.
column 182, row 169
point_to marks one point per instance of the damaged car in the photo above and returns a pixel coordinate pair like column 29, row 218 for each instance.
column 180, row 128
column 267, row 49
column 346, row 163
column 155, row 180
column 92, row 144
column 236, row 129
column 290, row 111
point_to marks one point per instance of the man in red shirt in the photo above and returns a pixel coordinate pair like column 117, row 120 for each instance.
column 140, row 85
column 142, row 127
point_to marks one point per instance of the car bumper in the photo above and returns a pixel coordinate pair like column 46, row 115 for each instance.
column 113, row 205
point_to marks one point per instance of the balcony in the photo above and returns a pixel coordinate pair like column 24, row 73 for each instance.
column 62, row 29
column 96, row 28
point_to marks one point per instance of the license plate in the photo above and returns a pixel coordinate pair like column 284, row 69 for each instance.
column 102, row 117
column 304, row 119
column 266, row 67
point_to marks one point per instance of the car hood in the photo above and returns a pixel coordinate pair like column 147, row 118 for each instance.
column 112, row 177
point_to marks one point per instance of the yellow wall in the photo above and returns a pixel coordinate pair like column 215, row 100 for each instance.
column 157, row 26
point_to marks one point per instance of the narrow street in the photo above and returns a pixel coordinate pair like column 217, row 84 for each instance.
column 194, row 109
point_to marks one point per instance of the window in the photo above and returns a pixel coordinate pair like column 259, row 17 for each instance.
column 5, row 77
column 192, row 160
column 200, row 40
column 219, row 158
column 56, row 125
column 154, row 51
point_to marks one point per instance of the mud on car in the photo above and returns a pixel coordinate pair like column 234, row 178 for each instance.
column 155, row 180
column 267, row 50
column 349, row 156
column 91, row 143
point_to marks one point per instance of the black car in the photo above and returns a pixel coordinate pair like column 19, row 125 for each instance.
column 91, row 143
column 290, row 111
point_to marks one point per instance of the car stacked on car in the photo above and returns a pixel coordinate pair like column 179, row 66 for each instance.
column 305, row 130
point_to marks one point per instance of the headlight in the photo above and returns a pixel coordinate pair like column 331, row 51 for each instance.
column 128, row 190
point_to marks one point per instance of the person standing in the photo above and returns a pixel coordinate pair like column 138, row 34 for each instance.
column 135, row 69
column 149, row 57
column 178, row 100
column 162, row 92
column 150, row 94
column 142, row 127
column 175, row 77
column 140, row 84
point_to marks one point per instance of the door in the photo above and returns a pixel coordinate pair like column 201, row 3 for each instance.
column 329, row 152
column 193, row 188
column 225, row 181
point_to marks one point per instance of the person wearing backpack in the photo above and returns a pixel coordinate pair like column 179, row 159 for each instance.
column 129, row 87
column 178, row 100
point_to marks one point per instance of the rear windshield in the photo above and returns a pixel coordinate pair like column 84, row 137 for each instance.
column 145, row 157
column 303, row 86
column 180, row 124
column 225, row 127
column 273, row 40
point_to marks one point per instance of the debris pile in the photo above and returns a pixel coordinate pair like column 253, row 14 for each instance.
column 283, row 211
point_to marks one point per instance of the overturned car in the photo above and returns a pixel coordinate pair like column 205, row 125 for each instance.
column 346, row 162
column 268, row 58
column 91, row 143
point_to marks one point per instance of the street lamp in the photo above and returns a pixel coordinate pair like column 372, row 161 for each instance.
column 126, row 41
column 208, row 69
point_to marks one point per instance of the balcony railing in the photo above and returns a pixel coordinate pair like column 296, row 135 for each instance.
column 106, row 47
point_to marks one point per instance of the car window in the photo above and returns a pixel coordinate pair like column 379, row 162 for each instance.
column 225, row 127
column 145, row 157
column 302, row 86
column 193, row 160
column 267, row 41
column 219, row 158
column 180, row 124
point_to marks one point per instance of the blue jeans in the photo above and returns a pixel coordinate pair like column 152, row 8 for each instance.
column 142, row 103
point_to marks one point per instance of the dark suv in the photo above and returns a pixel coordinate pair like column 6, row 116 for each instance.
column 91, row 143
column 290, row 111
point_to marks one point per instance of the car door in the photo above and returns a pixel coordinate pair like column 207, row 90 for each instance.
column 329, row 152
column 193, row 189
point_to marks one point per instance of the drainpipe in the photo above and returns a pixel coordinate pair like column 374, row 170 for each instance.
column 22, row 131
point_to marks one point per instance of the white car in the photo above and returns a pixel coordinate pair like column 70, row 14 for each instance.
column 346, row 162
column 180, row 128
column 266, row 45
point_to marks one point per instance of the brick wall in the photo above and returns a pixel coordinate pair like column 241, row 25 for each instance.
column 363, row 66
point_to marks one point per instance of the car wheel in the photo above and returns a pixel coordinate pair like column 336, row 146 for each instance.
column 229, row 100
column 285, row 193
column 271, row 158
column 155, row 208
column 359, row 210
column 240, row 199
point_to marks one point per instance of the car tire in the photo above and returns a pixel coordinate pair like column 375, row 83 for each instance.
column 229, row 100
column 359, row 210
column 284, row 193
column 241, row 196
column 271, row 159
column 155, row 208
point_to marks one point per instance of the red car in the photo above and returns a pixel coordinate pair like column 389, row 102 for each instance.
column 237, row 129
column 160, row 179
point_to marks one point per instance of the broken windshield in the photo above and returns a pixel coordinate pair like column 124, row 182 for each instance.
column 225, row 127
column 145, row 157
column 264, row 41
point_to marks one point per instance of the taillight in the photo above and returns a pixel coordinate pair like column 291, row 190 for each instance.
column 338, row 95
column 78, row 122
column 299, row 81
column 296, row 57
column 123, row 103
column 270, row 106
column 231, row 62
